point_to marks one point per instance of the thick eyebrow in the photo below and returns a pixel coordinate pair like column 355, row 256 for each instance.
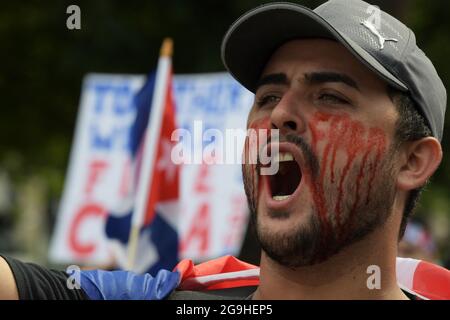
column 312, row 78
column 273, row 78
column 327, row 76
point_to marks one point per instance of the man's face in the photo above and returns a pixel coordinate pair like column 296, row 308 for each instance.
column 336, row 178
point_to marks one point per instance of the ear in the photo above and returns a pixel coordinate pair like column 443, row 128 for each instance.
column 421, row 159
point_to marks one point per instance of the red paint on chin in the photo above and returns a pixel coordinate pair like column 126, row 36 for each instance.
column 341, row 133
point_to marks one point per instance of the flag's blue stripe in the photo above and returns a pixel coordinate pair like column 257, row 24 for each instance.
column 165, row 239
column 142, row 100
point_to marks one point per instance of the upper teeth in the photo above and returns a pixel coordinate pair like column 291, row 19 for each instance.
column 283, row 156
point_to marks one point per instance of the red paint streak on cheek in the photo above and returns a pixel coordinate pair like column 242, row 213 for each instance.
column 263, row 123
column 337, row 132
column 375, row 143
column 352, row 144
column 339, row 129
column 340, row 132
column 318, row 133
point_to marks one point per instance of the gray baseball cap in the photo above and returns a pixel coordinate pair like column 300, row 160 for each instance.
column 383, row 43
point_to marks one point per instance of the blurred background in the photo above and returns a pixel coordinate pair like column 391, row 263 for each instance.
column 42, row 64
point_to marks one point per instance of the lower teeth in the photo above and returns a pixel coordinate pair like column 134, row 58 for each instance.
column 279, row 198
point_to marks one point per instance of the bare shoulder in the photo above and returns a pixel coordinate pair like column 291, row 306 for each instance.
column 7, row 282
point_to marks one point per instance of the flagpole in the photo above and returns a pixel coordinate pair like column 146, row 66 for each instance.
column 152, row 135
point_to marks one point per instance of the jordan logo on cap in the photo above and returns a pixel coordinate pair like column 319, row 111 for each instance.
column 373, row 29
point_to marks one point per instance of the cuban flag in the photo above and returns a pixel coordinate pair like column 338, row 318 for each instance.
column 157, row 246
column 423, row 280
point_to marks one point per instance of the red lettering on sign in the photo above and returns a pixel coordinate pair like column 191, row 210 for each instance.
column 88, row 211
column 96, row 167
column 237, row 221
column 199, row 231
column 201, row 186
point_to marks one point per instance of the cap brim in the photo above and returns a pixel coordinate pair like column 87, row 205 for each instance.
column 254, row 37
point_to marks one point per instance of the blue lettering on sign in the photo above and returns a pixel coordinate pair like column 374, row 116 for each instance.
column 114, row 111
column 216, row 98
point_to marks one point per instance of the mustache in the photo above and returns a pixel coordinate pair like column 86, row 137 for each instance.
column 311, row 159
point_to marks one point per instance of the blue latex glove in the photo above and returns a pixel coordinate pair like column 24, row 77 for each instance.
column 125, row 285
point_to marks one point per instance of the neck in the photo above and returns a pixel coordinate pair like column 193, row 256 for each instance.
column 346, row 275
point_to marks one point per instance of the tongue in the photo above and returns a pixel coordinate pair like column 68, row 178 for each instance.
column 286, row 181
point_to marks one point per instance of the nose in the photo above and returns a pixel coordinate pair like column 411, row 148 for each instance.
column 286, row 116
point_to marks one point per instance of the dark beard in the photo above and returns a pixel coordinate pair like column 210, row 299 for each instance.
column 308, row 244
column 294, row 249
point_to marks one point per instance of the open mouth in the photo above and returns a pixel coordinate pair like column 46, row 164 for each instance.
column 284, row 183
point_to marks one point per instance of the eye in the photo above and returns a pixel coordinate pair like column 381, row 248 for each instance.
column 267, row 99
column 332, row 98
